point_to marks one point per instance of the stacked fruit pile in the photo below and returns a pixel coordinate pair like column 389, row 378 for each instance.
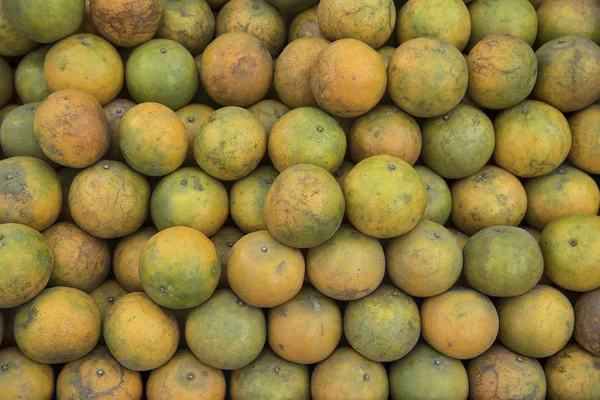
column 293, row 199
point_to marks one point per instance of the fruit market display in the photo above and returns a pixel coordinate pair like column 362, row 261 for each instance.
column 300, row 199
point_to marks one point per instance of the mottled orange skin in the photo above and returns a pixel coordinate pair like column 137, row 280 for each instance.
column 460, row 323
column 184, row 377
column 106, row 294
column 587, row 321
column 30, row 192
column 71, row 128
column 304, row 206
column 26, row 260
column 188, row 22
column 384, row 196
column 427, row 77
column 566, row 190
column 247, row 198
column 460, row 237
column 568, row 73
column 66, row 176
column 305, row 24
column 224, row 240
column 348, row 266
column 346, row 375
column 264, row 272
column 293, row 69
column 230, row 144
column 268, row 111
column 98, row 375
column 532, row 139
column 270, row 377
column 25, row 378
column 140, row 334
column 81, row 260
column 109, row 200
column 306, row 329
column 536, row 324
column 114, row 112
column 126, row 23
column 572, row 373
column 153, row 140
column 12, row 43
column 385, row 130
column 60, row 325
column 225, row 332
column 193, row 116
column 564, row 18
column 341, row 71
column 371, row 22
column 585, row 130
column 256, row 17
column 383, row 326
column 86, row 62
column 236, row 69
column 424, row 262
column 500, row 373
column 439, row 199
column 491, row 196
column 446, row 20
column 126, row 259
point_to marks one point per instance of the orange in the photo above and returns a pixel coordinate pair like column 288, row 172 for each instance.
column 305, row 24
column 193, row 116
column 114, row 112
column 247, row 198
column 565, row 18
column 23, row 377
column 572, row 373
column 126, row 259
column 585, row 130
column 224, row 240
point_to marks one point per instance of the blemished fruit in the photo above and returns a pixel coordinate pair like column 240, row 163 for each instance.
column 247, row 198
column 424, row 262
column 305, row 24
column 226, row 333
column 71, row 128
column 189, row 197
column 459, row 143
column 500, row 370
column 185, row 377
column 26, row 260
column 114, row 112
column 23, row 377
column 81, row 261
column 256, row 17
column 587, row 321
column 347, row 374
column 307, row 135
column 384, row 196
column 385, row 130
column 370, row 21
column 86, row 62
column 460, row 323
column 30, row 192
column 568, row 73
column 318, row 206
column 335, row 88
column 224, row 240
column 572, row 373
column 12, row 43
column 106, row 295
column 571, row 249
column 193, row 116
column 44, row 21
column 270, row 377
column 179, row 267
column 236, row 69
column 426, row 373
column 126, row 259
column 576, row 17
column 230, row 144
column 564, row 191
column 126, row 24
column 139, row 333
column 502, row 261
column 427, row 77
column 152, row 139
column 98, row 374
column 120, row 201
column 263, row 272
column 305, row 329
column 439, row 199
column 536, row 324
column 49, row 337
column 383, row 326
column 491, row 196
column 268, row 112
column 585, row 131
column 348, row 266
column 162, row 71
column 502, row 71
